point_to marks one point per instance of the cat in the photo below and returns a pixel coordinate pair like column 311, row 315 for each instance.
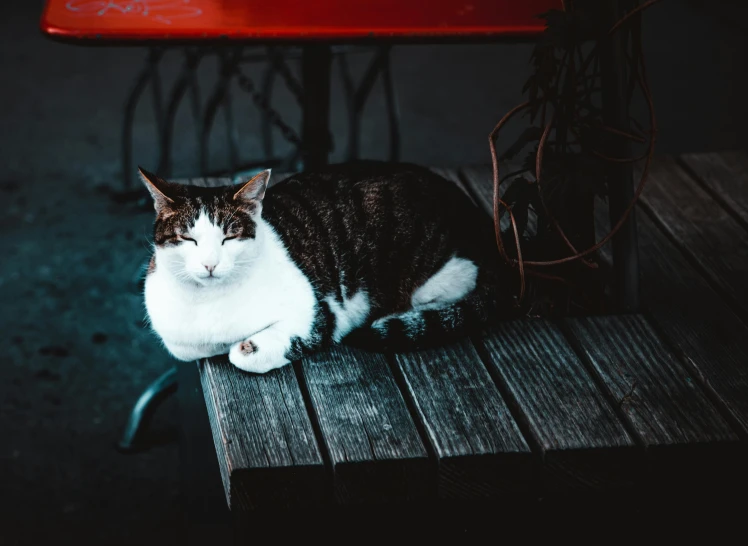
column 382, row 256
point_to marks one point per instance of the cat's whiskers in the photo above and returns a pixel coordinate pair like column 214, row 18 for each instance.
column 147, row 244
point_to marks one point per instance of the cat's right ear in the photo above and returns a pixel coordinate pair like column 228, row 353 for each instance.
column 254, row 189
column 158, row 188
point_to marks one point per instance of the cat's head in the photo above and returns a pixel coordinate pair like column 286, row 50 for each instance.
column 206, row 236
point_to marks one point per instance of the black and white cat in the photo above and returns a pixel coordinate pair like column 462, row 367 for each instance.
column 386, row 256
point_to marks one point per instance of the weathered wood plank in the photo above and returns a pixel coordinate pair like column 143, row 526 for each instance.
column 584, row 443
column 479, row 179
column 453, row 176
column 480, row 449
column 372, row 441
column 701, row 227
column 267, row 451
column 710, row 339
column 689, row 444
column 725, row 174
column 568, row 463
column 659, row 397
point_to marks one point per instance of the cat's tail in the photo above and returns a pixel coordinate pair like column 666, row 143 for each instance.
column 428, row 326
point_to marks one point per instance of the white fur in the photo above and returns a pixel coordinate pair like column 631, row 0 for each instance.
column 257, row 293
column 350, row 315
column 455, row 280
column 208, row 297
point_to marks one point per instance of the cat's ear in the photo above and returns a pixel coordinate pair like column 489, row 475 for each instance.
column 158, row 188
column 254, row 190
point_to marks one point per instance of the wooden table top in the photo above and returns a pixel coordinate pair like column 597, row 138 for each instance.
column 655, row 401
column 292, row 20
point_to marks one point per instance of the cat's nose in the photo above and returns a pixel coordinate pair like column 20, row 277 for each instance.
column 210, row 268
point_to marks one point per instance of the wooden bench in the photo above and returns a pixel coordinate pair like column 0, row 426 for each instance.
column 642, row 404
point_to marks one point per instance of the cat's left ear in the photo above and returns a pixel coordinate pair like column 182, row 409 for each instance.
column 158, row 188
column 254, row 190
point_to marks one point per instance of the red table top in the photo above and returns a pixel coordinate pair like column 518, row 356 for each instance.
column 292, row 20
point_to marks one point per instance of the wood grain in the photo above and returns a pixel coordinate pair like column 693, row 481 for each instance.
column 725, row 175
column 710, row 339
column 658, row 396
column 480, row 181
column 550, row 409
column 684, row 433
column 267, row 451
column 584, row 443
column 703, row 229
column 479, row 446
column 372, row 441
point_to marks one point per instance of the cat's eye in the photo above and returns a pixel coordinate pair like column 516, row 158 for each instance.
column 183, row 238
column 231, row 237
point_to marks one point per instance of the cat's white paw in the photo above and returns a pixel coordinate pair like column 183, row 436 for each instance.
column 247, row 356
column 247, row 347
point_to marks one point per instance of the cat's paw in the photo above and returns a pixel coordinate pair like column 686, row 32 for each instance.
column 240, row 352
column 247, row 356
column 247, row 347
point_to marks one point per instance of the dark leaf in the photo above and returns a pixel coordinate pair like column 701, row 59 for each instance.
column 556, row 28
column 514, row 191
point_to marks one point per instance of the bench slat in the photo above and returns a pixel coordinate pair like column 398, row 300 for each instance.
column 264, row 439
column 701, row 227
column 481, row 450
column 664, row 404
column 710, row 339
column 565, row 416
column 583, row 441
column 666, row 407
column 479, row 180
column 726, row 175
column 372, row 441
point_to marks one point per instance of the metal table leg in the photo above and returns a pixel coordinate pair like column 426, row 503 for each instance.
column 356, row 97
column 315, row 75
column 620, row 182
column 144, row 408
column 148, row 75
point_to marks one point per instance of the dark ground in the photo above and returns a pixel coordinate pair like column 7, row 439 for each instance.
column 75, row 353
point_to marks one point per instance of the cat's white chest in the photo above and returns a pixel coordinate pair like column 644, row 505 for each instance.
column 216, row 316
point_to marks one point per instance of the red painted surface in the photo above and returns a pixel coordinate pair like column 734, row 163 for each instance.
column 298, row 20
